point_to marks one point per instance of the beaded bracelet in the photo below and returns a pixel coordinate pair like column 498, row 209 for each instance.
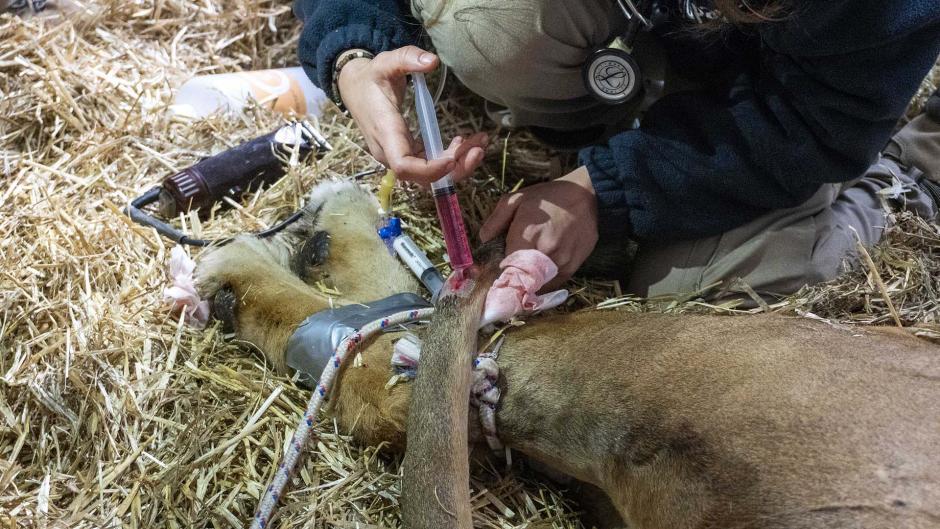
column 342, row 61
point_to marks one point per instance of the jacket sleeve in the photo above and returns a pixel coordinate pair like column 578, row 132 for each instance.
column 333, row 26
column 820, row 103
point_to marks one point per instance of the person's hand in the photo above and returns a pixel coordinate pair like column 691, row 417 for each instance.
column 558, row 218
column 373, row 91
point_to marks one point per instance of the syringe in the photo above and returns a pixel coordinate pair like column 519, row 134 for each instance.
column 445, row 195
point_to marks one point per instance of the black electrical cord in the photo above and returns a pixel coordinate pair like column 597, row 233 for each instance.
column 136, row 212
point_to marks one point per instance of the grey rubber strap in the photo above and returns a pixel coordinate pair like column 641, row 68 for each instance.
column 313, row 343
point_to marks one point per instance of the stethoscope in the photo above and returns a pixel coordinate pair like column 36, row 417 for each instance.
column 611, row 75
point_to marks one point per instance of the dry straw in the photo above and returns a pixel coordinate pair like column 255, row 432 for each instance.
column 112, row 413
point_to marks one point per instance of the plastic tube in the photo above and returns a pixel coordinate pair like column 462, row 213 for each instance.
column 418, row 262
column 386, row 186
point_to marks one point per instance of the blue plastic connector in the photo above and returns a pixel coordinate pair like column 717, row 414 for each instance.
column 389, row 231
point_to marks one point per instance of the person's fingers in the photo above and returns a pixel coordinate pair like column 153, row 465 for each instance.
column 461, row 148
column 557, row 281
column 567, row 266
column 468, row 153
column 480, row 139
column 418, row 170
column 468, row 164
column 453, row 149
column 563, row 260
column 400, row 62
column 501, row 217
column 569, row 258
column 396, row 142
column 417, row 147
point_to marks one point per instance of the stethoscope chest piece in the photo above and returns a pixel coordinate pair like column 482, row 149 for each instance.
column 612, row 76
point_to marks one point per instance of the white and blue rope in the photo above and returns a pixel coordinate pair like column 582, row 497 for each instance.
column 274, row 491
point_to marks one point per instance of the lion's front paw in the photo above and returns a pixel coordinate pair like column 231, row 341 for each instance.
column 235, row 265
column 254, row 295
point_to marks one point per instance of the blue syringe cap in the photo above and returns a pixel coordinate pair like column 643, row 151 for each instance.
column 391, row 229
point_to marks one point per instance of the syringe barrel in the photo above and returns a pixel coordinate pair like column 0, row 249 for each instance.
column 427, row 122
column 427, row 118
column 445, row 197
column 455, row 235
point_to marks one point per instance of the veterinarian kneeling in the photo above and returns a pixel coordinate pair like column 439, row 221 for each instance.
column 734, row 140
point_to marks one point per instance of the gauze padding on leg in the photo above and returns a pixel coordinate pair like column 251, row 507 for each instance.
column 515, row 292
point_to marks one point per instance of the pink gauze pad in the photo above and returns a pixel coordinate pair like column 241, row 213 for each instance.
column 515, row 292
column 182, row 295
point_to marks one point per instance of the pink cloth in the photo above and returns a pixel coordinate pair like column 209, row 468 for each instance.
column 515, row 291
column 182, row 296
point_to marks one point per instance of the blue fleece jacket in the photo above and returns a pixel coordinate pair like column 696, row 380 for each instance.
column 784, row 107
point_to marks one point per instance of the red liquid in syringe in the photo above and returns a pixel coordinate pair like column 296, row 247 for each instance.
column 455, row 235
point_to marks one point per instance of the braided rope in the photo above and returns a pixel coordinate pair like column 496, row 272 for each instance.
column 269, row 501
column 484, row 394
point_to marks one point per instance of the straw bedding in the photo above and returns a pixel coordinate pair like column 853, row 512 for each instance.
column 114, row 414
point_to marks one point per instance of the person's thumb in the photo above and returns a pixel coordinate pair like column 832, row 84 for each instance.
column 405, row 60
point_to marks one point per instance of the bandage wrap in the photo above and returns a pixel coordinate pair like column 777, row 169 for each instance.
column 316, row 338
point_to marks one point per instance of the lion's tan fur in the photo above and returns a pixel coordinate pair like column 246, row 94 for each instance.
column 684, row 421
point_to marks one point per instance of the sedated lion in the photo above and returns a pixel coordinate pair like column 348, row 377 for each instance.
column 684, row 421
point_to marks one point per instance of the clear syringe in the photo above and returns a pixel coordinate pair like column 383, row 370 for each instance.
column 445, row 195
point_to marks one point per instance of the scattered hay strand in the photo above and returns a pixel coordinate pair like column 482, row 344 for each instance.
column 112, row 412
column 876, row 278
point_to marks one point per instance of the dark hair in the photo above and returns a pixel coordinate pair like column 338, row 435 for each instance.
column 750, row 11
